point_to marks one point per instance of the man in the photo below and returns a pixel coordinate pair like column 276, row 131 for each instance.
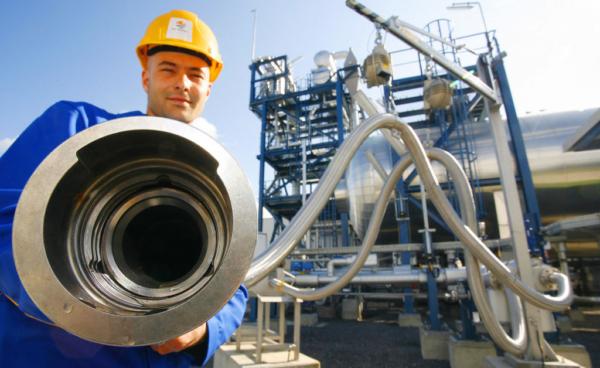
column 180, row 59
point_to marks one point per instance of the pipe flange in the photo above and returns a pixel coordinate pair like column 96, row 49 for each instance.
column 96, row 206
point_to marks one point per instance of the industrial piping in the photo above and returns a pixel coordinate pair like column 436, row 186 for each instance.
column 270, row 259
column 299, row 225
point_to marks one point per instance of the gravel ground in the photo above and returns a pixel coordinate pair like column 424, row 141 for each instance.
column 379, row 342
column 376, row 342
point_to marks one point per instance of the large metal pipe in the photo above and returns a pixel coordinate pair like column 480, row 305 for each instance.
column 516, row 344
column 449, row 297
column 587, row 299
column 337, row 262
column 134, row 231
column 412, row 276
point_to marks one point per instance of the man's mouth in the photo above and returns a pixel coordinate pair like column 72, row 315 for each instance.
column 178, row 100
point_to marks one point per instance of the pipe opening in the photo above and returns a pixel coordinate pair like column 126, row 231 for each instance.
column 128, row 235
column 160, row 246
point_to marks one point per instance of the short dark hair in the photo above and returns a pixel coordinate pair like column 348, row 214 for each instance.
column 160, row 48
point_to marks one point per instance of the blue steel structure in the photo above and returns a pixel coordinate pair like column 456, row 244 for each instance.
column 532, row 210
column 293, row 116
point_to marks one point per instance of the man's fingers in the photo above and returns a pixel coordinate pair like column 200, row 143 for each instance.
column 180, row 343
column 161, row 349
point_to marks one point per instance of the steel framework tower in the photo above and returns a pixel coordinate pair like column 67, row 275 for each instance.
column 302, row 125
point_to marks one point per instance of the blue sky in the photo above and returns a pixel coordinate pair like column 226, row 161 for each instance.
column 84, row 51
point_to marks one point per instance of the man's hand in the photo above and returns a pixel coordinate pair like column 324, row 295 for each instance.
column 182, row 342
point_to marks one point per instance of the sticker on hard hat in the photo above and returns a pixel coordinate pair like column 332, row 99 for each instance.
column 180, row 29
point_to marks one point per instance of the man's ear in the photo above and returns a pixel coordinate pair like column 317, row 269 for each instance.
column 209, row 89
column 145, row 79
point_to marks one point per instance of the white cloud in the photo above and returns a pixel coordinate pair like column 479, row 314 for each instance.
column 5, row 143
column 207, row 127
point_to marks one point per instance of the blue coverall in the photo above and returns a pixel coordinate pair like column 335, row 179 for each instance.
column 27, row 337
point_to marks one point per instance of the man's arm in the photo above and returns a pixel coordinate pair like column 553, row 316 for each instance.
column 53, row 127
column 57, row 124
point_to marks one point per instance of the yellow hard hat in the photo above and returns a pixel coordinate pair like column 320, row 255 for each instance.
column 181, row 29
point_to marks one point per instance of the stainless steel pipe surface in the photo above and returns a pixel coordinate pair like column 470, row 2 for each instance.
column 134, row 231
column 413, row 276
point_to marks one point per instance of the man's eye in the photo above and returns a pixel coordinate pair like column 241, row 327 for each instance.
column 167, row 70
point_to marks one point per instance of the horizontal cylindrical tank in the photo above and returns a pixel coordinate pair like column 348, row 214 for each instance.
column 567, row 183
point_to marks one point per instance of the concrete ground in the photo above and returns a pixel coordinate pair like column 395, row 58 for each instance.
column 587, row 333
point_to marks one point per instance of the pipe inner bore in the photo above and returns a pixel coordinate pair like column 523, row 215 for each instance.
column 160, row 246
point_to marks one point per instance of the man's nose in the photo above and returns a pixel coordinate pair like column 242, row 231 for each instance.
column 183, row 82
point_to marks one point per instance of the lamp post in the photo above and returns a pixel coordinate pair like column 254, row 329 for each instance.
column 470, row 5
column 253, row 11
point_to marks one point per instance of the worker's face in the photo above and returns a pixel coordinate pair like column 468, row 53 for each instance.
column 177, row 85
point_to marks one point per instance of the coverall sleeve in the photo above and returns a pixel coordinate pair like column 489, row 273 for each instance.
column 61, row 121
column 223, row 324
column 58, row 123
